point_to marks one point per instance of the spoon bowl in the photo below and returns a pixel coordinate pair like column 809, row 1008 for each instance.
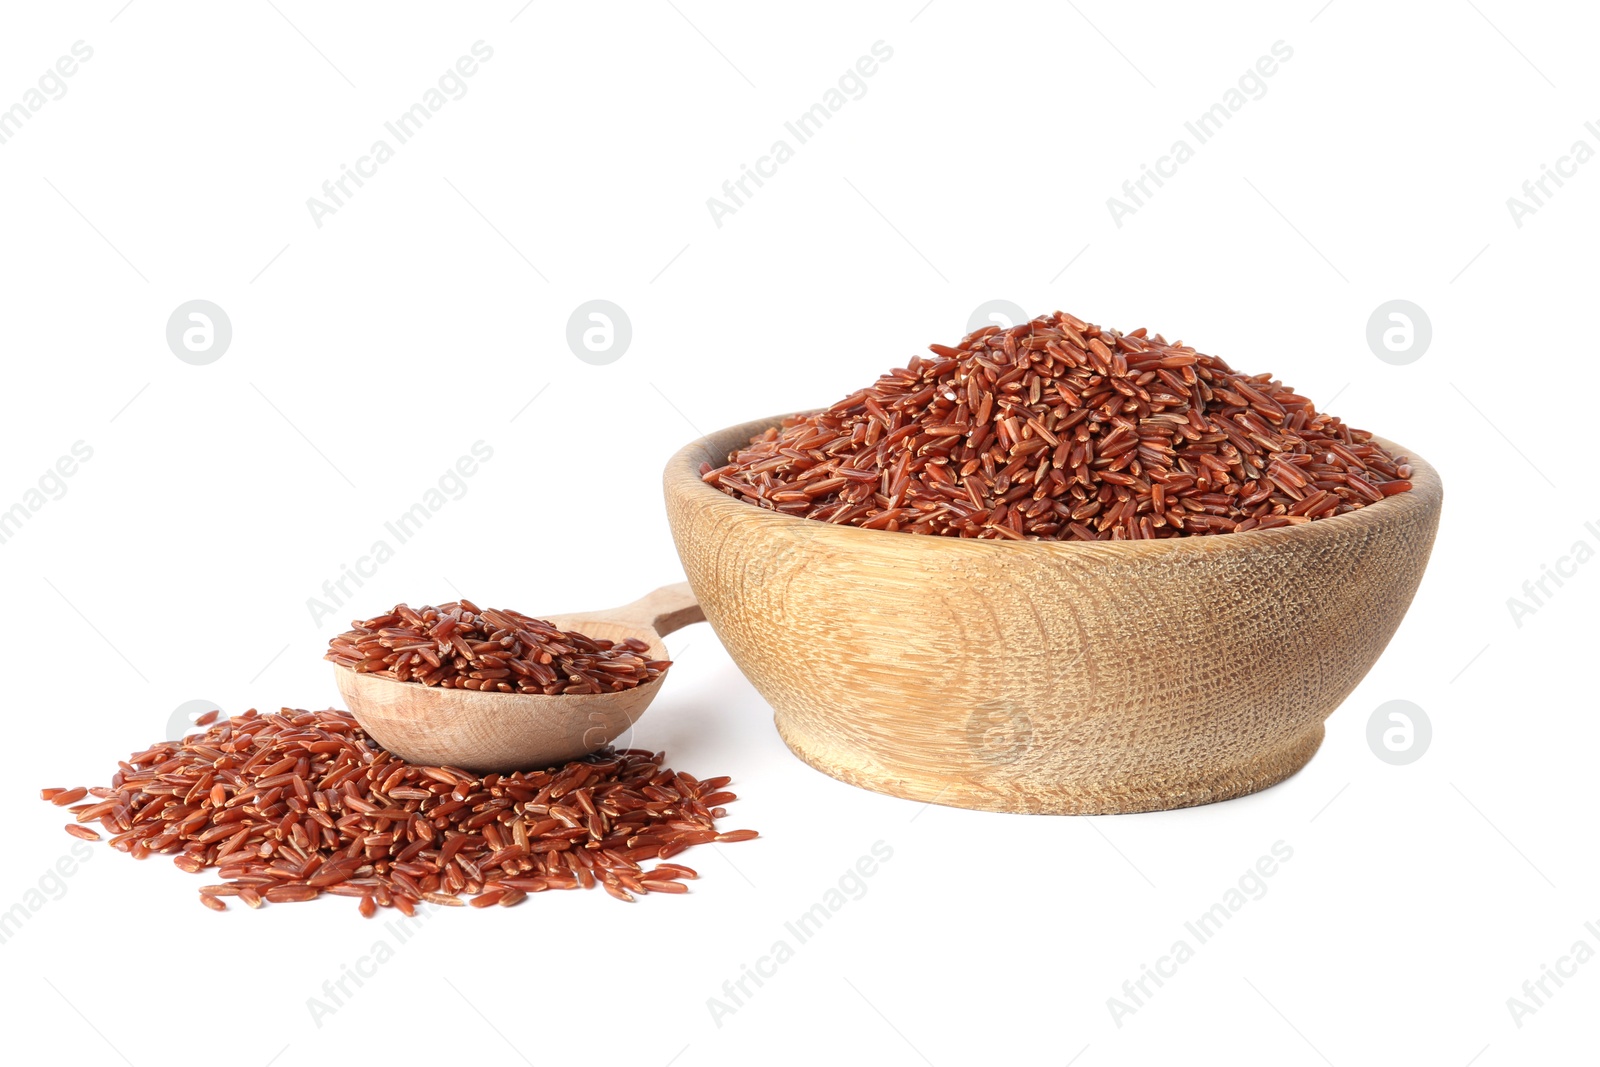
column 481, row 732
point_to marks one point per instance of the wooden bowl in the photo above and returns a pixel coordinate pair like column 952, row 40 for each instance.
column 1059, row 677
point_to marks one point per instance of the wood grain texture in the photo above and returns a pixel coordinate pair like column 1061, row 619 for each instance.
column 518, row 731
column 1069, row 678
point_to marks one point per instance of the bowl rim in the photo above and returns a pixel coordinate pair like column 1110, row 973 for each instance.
column 682, row 475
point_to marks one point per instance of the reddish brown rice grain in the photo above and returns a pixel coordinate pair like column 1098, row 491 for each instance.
column 1058, row 429
column 291, row 894
column 296, row 805
column 675, row 870
column 69, row 796
column 459, row 645
column 663, row 885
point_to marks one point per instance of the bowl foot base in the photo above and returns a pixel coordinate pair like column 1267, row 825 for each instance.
column 1016, row 789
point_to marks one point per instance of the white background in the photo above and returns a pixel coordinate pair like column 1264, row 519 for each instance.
column 429, row 313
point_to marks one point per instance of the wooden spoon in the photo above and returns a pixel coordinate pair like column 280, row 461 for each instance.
column 506, row 732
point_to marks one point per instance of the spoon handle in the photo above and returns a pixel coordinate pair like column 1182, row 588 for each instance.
column 672, row 607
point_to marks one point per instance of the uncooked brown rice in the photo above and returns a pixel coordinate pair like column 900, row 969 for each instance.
column 459, row 645
column 1058, row 429
column 296, row 805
